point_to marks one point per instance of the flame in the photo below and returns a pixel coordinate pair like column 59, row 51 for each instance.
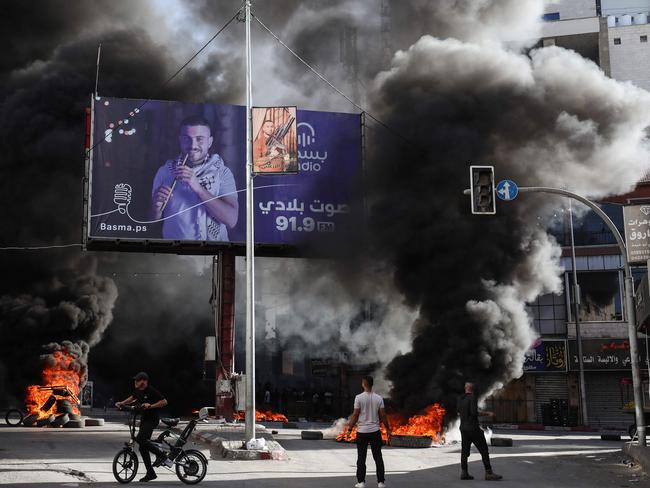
column 60, row 376
column 428, row 423
column 262, row 416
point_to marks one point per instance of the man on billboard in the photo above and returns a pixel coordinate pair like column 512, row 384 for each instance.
column 195, row 195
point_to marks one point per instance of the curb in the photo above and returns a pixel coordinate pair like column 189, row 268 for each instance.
column 541, row 427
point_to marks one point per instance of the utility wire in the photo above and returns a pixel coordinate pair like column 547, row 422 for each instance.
column 38, row 248
column 330, row 84
column 178, row 71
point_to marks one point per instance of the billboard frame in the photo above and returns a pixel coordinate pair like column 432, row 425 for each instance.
column 191, row 247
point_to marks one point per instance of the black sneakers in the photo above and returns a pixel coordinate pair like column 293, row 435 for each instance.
column 466, row 476
column 490, row 476
column 148, row 477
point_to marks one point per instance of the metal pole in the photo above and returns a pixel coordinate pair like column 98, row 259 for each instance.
column 250, row 252
column 576, row 313
column 629, row 298
column 99, row 53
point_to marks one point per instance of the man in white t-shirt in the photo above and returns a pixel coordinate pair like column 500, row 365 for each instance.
column 368, row 411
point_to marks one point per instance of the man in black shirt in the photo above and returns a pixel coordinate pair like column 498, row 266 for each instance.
column 150, row 400
column 471, row 432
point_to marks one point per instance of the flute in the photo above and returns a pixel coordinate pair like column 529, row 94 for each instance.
column 171, row 191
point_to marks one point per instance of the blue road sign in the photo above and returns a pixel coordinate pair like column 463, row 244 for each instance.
column 507, row 190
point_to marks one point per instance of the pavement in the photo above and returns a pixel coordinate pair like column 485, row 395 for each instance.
column 31, row 457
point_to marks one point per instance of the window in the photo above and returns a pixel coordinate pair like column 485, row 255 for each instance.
column 549, row 314
column 551, row 17
column 600, row 296
column 644, row 38
column 617, row 40
column 590, row 230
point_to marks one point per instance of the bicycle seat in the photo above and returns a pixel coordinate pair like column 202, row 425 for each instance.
column 170, row 422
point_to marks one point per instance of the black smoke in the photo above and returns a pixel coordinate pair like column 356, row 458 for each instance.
column 66, row 299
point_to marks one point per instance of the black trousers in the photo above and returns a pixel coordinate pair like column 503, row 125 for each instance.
column 374, row 439
column 147, row 427
column 476, row 437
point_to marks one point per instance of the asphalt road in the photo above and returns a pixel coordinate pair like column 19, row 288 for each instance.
column 66, row 457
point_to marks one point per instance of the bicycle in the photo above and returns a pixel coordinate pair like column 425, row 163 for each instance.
column 191, row 465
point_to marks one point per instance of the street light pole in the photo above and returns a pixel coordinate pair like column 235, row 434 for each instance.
column 629, row 299
column 250, row 242
column 576, row 313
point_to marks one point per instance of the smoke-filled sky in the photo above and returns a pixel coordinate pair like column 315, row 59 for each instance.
column 462, row 88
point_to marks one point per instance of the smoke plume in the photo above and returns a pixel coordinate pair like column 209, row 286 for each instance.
column 548, row 119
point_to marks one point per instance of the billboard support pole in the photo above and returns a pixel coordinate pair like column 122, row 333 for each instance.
column 250, row 242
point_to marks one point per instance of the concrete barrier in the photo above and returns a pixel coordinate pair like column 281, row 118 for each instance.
column 311, row 435
column 501, row 441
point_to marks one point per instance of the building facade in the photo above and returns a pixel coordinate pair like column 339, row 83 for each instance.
column 613, row 34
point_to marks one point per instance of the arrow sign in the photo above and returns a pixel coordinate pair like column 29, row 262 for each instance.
column 507, row 190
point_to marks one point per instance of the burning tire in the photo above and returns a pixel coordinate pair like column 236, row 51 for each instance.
column 45, row 421
column 14, row 417
column 74, row 424
column 411, row 441
column 49, row 403
column 64, row 406
column 30, row 420
column 125, row 466
column 74, row 416
column 60, row 420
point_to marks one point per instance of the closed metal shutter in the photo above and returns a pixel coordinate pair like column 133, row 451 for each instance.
column 549, row 387
column 604, row 400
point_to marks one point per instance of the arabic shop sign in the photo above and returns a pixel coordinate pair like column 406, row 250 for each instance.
column 546, row 356
column 637, row 232
column 603, row 354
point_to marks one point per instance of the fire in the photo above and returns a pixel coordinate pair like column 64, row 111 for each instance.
column 263, row 416
column 61, row 381
column 428, row 423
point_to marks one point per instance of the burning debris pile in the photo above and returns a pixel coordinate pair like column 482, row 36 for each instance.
column 427, row 424
column 55, row 403
column 262, row 416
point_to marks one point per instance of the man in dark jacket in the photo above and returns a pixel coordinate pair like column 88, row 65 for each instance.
column 150, row 400
column 471, row 433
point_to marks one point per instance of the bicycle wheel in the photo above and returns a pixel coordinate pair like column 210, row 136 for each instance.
column 14, row 417
column 191, row 466
column 125, row 466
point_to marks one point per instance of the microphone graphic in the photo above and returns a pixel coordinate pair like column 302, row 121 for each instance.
column 122, row 197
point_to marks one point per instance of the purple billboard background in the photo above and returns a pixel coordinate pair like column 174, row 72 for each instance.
column 134, row 139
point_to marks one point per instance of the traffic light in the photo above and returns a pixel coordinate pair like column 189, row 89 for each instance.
column 483, row 191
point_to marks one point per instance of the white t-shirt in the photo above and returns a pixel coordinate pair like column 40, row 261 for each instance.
column 368, row 405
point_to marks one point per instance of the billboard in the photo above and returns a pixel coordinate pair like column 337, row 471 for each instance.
column 172, row 175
